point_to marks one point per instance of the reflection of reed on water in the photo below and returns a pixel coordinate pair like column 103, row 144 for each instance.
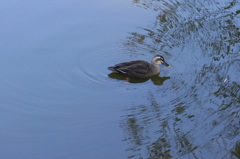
column 197, row 116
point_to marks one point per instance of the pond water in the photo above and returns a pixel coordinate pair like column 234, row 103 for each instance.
column 58, row 99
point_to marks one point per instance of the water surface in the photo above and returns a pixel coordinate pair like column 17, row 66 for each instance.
column 58, row 100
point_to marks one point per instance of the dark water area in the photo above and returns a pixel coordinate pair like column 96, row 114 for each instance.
column 58, row 99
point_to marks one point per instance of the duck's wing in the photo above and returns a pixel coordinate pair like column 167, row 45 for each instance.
column 118, row 68
column 134, row 68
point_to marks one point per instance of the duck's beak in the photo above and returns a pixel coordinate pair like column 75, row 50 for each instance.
column 164, row 63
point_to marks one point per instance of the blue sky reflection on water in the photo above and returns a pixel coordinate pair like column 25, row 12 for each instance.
column 58, row 101
column 56, row 98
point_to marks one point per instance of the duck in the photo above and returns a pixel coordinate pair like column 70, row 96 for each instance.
column 139, row 68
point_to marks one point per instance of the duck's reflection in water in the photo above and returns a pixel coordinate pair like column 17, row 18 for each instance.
column 157, row 80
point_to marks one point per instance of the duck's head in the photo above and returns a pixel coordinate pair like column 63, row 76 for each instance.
column 158, row 59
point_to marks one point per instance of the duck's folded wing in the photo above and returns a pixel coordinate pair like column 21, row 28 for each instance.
column 135, row 70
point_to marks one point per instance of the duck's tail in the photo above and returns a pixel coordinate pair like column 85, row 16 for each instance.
column 113, row 69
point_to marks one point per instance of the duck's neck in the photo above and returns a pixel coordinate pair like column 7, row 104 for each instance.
column 154, row 68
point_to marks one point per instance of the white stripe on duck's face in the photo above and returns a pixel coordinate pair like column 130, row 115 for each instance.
column 158, row 59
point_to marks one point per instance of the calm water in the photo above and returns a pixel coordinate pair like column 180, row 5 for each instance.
column 58, row 100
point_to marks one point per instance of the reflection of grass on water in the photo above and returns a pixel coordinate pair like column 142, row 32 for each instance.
column 236, row 151
column 155, row 79
column 207, row 104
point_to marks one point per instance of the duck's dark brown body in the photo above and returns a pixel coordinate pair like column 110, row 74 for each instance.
column 135, row 69
column 139, row 68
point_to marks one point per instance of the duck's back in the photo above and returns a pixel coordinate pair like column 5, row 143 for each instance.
column 132, row 63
